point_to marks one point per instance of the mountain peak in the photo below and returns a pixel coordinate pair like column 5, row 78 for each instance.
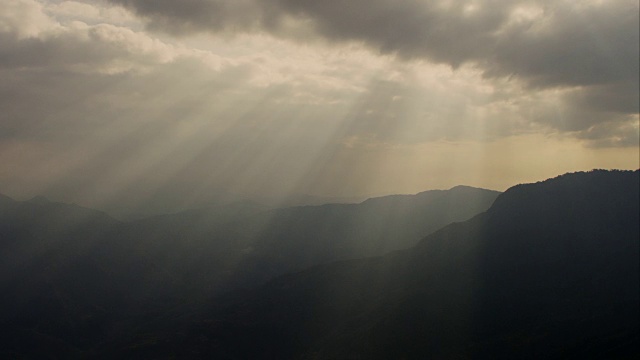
column 577, row 186
column 465, row 187
column 5, row 199
column 39, row 199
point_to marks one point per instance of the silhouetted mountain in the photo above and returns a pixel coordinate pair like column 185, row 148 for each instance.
column 294, row 200
column 77, row 277
column 127, row 209
column 50, row 290
column 551, row 270
column 34, row 228
column 290, row 239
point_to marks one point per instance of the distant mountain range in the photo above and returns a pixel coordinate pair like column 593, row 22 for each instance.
column 551, row 270
column 127, row 209
column 76, row 277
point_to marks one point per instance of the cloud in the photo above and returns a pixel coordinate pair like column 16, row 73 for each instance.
column 588, row 49
column 198, row 15
column 548, row 42
column 23, row 19
column 612, row 134
column 100, row 112
column 96, row 104
column 579, row 60
column 92, row 12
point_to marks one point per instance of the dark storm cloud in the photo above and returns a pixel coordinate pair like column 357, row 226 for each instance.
column 573, row 44
column 587, row 50
column 591, row 47
column 197, row 15
column 620, row 97
column 548, row 42
column 410, row 28
column 611, row 134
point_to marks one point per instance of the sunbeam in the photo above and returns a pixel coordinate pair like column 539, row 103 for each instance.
column 299, row 179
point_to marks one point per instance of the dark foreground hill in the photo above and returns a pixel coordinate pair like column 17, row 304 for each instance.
column 73, row 278
column 551, row 270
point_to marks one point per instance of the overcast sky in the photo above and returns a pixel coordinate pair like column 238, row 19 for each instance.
column 131, row 100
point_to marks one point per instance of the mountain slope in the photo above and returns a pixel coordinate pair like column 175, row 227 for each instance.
column 49, row 289
column 549, row 271
column 75, row 277
column 290, row 239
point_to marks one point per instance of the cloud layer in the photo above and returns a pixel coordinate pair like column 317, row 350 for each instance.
column 545, row 43
column 124, row 98
column 588, row 50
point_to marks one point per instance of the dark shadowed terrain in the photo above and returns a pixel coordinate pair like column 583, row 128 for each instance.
column 74, row 278
column 549, row 271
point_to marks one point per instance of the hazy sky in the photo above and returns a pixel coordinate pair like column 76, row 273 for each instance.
column 129, row 100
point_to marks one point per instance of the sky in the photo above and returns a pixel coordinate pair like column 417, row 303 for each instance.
column 133, row 102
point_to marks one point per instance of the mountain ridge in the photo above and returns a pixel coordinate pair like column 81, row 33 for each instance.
column 484, row 288
column 550, row 270
column 78, row 275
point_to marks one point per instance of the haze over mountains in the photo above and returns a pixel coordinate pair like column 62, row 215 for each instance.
column 171, row 203
column 162, row 118
column 68, row 267
column 549, row 270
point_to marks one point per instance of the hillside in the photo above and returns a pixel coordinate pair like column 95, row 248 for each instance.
column 76, row 277
column 549, row 271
